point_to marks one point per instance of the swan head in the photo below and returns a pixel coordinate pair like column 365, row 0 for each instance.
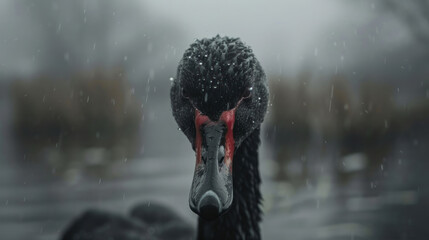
column 219, row 97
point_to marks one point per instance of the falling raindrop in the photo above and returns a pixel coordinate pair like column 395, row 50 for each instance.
column 332, row 95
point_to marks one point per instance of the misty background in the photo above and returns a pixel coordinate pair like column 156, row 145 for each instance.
column 86, row 119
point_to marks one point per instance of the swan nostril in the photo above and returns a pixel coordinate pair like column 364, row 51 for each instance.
column 204, row 155
column 221, row 154
column 221, row 160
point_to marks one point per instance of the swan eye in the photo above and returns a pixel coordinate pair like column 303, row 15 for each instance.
column 247, row 92
column 185, row 93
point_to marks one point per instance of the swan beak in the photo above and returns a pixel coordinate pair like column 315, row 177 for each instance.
column 212, row 189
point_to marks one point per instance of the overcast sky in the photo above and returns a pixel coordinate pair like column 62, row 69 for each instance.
column 286, row 35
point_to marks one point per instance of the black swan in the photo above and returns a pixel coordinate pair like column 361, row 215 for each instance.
column 219, row 99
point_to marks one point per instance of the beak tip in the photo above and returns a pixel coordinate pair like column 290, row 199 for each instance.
column 209, row 206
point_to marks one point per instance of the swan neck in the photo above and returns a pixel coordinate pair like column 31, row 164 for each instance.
column 242, row 220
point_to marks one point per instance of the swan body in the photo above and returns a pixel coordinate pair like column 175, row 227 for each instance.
column 145, row 222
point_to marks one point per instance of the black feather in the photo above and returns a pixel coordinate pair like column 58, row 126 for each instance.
column 214, row 75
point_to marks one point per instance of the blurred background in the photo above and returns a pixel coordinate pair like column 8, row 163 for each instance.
column 86, row 119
